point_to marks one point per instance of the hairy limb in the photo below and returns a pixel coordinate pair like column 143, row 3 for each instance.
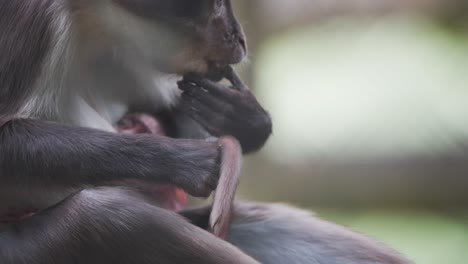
column 231, row 163
column 36, row 153
column 112, row 225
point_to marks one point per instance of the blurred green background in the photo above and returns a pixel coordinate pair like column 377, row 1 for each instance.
column 369, row 101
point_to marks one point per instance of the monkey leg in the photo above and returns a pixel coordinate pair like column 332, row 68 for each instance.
column 111, row 225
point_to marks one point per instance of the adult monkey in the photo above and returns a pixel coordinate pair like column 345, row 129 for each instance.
column 69, row 70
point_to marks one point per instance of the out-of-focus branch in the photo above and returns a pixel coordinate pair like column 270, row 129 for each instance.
column 407, row 181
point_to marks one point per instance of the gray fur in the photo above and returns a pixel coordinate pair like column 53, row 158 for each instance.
column 112, row 225
column 277, row 234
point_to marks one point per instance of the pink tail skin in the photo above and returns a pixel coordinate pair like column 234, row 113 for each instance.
column 231, row 164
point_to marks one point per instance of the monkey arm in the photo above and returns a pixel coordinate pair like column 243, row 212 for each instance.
column 46, row 154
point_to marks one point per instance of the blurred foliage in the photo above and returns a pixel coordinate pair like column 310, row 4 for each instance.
column 426, row 237
column 363, row 88
column 371, row 86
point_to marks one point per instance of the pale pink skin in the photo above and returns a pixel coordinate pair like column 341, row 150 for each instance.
column 14, row 215
column 166, row 196
column 140, row 124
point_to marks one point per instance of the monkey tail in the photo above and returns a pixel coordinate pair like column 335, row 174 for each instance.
column 231, row 164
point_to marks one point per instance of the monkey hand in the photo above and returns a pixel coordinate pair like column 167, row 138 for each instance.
column 226, row 110
column 198, row 166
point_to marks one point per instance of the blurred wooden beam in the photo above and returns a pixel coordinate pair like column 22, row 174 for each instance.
column 434, row 182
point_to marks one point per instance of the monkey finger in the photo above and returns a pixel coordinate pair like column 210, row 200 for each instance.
column 235, row 80
column 192, row 107
column 194, row 90
column 209, row 100
column 211, row 107
column 186, row 86
column 208, row 119
column 186, row 105
column 195, row 106
column 208, row 125
column 212, row 87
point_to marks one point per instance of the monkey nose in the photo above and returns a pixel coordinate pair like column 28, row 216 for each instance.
column 239, row 50
column 243, row 43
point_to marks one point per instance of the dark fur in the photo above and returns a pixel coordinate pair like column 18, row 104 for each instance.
column 112, row 225
column 224, row 110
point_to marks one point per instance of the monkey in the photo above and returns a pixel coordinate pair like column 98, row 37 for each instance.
column 69, row 71
column 68, row 102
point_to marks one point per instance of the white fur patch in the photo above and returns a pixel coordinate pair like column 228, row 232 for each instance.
column 44, row 101
column 86, row 116
column 165, row 88
column 71, row 91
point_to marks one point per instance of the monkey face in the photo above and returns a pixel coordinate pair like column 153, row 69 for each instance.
column 181, row 36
